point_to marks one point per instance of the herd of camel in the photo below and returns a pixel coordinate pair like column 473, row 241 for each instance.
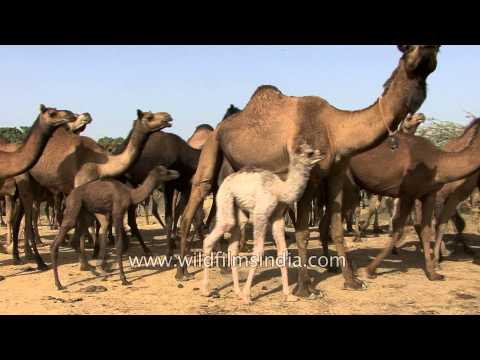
column 279, row 155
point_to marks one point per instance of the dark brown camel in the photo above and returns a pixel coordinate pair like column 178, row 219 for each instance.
column 70, row 160
column 452, row 194
column 105, row 199
column 174, row 153
column 417, row 169
column 265, row 133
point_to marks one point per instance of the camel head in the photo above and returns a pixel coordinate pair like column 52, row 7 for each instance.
column 148, row 122
column 52, row 117
column 412, row 122
column 307, row 157
column 80, row 124
column 419, row 60
column 163, row 174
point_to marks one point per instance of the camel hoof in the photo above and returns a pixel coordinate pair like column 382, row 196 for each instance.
column 184, row 277
column 2, row 278
column 9, row 249
column 334, row 269
column 469, row 251
column 371, row 274
column 18, row 261
column 126, row 283
column 225, row 270
column 291, row 298
column 246, row 300
column 42, row 267
column 435, row 276
column 354, row 284
column 305, row 292
column 60, row 287
column 86, row 267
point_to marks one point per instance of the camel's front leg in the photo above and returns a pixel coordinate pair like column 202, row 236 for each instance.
column 335, row 197
column 302, row 234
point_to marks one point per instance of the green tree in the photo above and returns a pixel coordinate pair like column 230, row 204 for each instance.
column 12, row 134
column 109, row 143
column 439, row 132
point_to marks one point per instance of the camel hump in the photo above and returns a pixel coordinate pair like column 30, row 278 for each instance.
column 266, row 90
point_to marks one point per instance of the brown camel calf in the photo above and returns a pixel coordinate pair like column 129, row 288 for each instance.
column 107, row 200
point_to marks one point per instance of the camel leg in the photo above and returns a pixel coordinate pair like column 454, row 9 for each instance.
column 156, row 214
column 16, row 221
column 197, row 195
column 460, row 226
column 278, row 232
column 448, row 210
column 222, row 225
column 260, row 222
column 9, row 212
column 169, row 192
column 335, row 198
column 119, row 233
column 104, row 221
column 304, row 286
column 358, row 228
column 35, row 219
column 405, row 206
column 82, row 229
column 68, row 223
column 132, row 223
column 428, row 204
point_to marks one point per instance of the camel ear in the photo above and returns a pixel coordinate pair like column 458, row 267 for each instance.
column 43, row 108
column 404, row 48
column 139, row 113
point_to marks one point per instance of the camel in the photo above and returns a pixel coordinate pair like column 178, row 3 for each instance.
column 70, row 160
column 408, row 126
column 173, row 152
column 40, row 194
column 24, row 157
column 106, row 199
column 272, row 124
column 453, row 193
column 416, row 169
column 265, row 196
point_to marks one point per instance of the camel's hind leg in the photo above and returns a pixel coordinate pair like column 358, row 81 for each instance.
column 224, row 223
column 104, row 221
column 405, row 206
column 119, row 233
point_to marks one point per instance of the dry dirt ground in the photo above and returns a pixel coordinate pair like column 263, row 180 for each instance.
column 400, row 288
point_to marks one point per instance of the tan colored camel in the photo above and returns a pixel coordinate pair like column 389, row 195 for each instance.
column 272, row 124
column 70, row 160
column 19, row 160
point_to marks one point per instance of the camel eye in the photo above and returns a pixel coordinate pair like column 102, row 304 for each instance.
column 53, row 114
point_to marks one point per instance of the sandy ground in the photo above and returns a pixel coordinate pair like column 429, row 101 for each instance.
column 400, row 288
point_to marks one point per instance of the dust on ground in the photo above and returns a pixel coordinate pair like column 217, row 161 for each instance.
column 400, row 288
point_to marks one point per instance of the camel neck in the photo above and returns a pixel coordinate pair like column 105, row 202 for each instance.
column 358, row 131
column 294, row 185
column 142, row 192
column 26, row 156
column 119, row 163
column 453, row 166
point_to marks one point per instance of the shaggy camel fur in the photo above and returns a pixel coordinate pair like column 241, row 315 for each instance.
column 265, row 197
column 105, row 199
column 272, row 124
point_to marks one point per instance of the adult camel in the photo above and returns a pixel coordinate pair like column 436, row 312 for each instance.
column 270, row 127
column 171, row 151
column 417, row 169
column 70, row 160
column 453, row 193
column 39, row 193
column 19, row 160
column 15, row 159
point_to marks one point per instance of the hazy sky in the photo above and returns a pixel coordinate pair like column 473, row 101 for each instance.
column 196, row 84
